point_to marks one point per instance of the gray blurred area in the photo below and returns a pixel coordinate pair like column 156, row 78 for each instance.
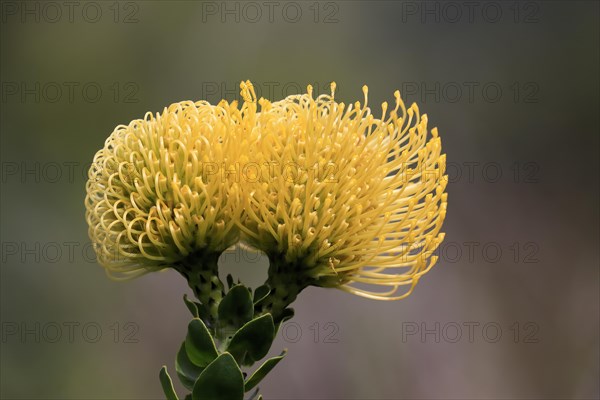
column 511, row 311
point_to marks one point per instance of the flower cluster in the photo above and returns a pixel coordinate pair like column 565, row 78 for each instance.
column 362, row 210
column 148, row 202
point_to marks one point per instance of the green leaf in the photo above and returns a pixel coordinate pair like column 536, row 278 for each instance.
column 285, row 315
column 222, row 379
column 261, row 293
column 198, row 309
column 167, row 384
column 236, row 308
column 187, row 371
column 191, row 306
column 229, row 281
column 262, row 371
column 199, row 344
column 253, row 341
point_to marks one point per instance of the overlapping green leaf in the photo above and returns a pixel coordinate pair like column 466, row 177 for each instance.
column 192, row 306
column 236, row 308
column 221, row 379
column 253, row 341
column 199, row 343
column 261, row 293
column 187, row 371
column 167, row 384
column 262, row 371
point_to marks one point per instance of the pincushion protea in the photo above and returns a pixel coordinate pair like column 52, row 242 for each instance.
column 349, row 200
column 157, row 196
column 339, row 199
column 334, row 196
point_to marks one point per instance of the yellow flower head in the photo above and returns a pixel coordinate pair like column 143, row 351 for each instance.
column 334, row 196
column 345, row 199
column 157, row 192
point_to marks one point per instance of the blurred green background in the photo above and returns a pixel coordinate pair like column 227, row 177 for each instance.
column 511, row 310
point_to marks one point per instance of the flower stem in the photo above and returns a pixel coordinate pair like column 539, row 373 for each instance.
column 286, row 283
column 202, row 274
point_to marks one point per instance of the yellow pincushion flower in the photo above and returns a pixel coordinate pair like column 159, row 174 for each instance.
column 332, row 195
column 159, row 195
column 348, row 200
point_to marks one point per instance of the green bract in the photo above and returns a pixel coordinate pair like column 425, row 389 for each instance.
column 210, row 360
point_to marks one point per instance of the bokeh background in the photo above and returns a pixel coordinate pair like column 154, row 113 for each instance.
column 511, row 310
